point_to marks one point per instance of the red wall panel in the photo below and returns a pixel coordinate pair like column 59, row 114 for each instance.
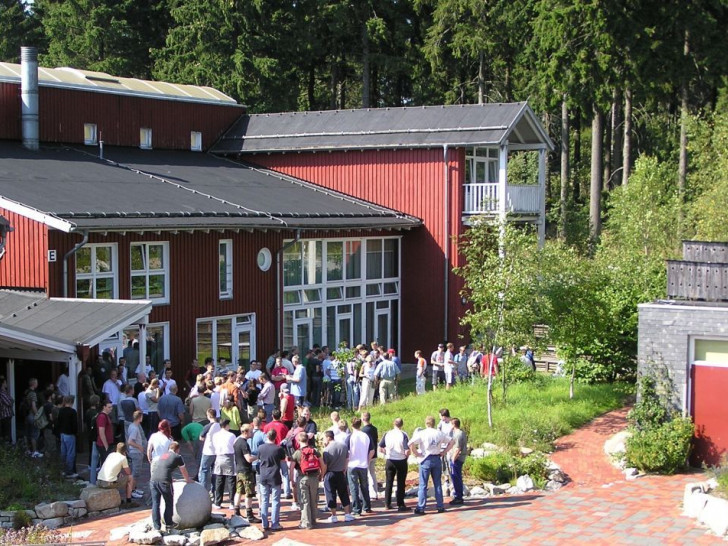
column 194, row 283
column 62, row 113
column 411, row 181
column 24, row 264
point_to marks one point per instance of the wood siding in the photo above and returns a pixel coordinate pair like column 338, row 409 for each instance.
column 63, row 112
column 194, row 283
column 25, row 263
column 698, row 251
column 697, row 281
column 410, row 181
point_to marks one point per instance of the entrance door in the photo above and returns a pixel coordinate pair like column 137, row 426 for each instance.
column 708, row 406
column 302, row 337
column 245, row 335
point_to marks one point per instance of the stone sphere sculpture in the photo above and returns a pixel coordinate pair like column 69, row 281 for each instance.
column 192, row 505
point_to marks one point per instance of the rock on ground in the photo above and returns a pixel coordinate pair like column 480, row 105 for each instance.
column 192, row 505
column 98, row 499
column 214, row 536
column 251, row 533
column 141, row 537
column 524, row 483
column 51, row 510
column 174, row 540
column 715, row 515
column 238, row 521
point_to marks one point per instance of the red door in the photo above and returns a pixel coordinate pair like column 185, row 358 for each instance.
column 709, row 409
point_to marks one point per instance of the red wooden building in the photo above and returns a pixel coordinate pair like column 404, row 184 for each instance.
column 251, row 232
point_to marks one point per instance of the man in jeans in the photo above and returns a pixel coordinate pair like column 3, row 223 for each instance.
column 426, row 445
column 207, row 461
column 161, row 484
column 67, row 427
column 457, row 458
column 361, row 451
column 270, row 456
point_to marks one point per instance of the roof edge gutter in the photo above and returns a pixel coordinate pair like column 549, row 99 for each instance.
column 279, row 288
column 67, row 255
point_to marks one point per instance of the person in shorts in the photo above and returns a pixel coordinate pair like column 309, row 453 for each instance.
column 245, row 485
column 136, row 442
column 115, row 472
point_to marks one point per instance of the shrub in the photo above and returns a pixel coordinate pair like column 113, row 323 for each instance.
column 503, row 467
column 21, row 519
column 661, row 448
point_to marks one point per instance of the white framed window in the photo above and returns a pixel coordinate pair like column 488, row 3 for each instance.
column 196, row 141
column 230, row 337
column 150, row 271
column 225, row 261
column 97, row 271
column 481, row 166
column 145, row 138
column 90, row 134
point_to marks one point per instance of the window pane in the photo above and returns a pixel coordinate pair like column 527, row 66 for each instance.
column 156, row 286
column 318, row 325
column 223, row 272
column 369, row 334
column 468, row 170
column 391, row 257
column 138, row 288
column 301, row 313
column 83, row 260
column 390, row 287
column 103, row 259
column 480, row 172
column 331, row 327
column 105, row 288
column 374, row 259
column 492, row 171
column 334, row 293
column 374, row 289
column 353, row 292
column 156, row 257
column 335, row 261
column 312, row 259
column 353, row 259
column 288, row 328
column 312, row 295
column 204, row 340
column 291, row 296
column 357, row 325
column 137, row 258
column 292, row 265
column 225, row 339
column 83, row 288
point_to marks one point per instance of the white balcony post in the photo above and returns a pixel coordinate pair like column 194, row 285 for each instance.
column 502, row 182
column 541, row 196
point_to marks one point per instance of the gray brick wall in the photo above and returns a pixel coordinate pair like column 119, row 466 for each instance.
column 665, row 331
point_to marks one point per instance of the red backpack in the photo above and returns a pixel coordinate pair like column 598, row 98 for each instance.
column 309, row 461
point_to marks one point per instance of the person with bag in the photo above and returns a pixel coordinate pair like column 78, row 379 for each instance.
column 311, row 467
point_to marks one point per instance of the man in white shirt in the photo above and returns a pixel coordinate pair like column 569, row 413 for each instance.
column 254, row 372
column 426, row 445
column 62, row 385
column 223, row 443
column 395, row 446
column 112, row 390
column 361, row 451
column 168, row 381
column 115, row 464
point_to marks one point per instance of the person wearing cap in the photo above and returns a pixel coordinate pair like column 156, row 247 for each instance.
column 438, row 362
column 397, row 362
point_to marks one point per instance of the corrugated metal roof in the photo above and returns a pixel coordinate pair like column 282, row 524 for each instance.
column 35, row 322
column 426, row 126
column 156, row 189
column 100, row 82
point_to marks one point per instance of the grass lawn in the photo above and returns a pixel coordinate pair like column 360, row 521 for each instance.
column 535, row 415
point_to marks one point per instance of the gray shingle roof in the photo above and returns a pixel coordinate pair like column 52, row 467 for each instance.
column 35, row 322
column 426, row 126
column 145, row 189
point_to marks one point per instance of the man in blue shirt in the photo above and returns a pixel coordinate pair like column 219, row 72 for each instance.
column 298, row 381
column 386, row 372
column 171, row 408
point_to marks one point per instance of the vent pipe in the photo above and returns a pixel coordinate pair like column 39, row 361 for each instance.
column 29, row 96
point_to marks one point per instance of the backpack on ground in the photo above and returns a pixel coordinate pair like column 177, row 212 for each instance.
column 309, row 461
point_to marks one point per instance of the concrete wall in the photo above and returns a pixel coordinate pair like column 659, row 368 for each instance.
column 665, row 334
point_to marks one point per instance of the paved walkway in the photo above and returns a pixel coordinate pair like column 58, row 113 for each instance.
column 599, row 507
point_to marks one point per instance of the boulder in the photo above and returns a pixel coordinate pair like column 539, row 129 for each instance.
column 478, row 492
column 98, row 499
column 499, row 489
column 524, row 483
column 53, row 523
column 557, row 476
column 214, row 536
column 143, row 525
column 77, row 512
column 553, row 485
column 51, row 510
column 489, row 447
column 615, row 447
column 75, row 503
column 513, row 491
column 192, row 505
column 238, row 521
column 526, row 451
column 715, row 515
column 251, row 533
column 118, row 533
column 142, row 537
column 477, row 453
column 213, row 526
column 411, row 492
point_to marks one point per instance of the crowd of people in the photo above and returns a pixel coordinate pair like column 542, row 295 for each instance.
column 251, row 431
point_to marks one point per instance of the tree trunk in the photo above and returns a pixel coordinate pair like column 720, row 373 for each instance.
column 595, row 194
column 564, row 194
column 481, row 78
column 607, row 151
column 490, row 388
column 571, row 380
column 682, row 170
column 577, row 155
column 311, row 88
column 334, row 102
column 547, row 167
column 627, row 144
column 365, row 68
column 616, row 137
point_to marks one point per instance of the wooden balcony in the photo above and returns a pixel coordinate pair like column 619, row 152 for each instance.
column 697, row 281
column 484, row 199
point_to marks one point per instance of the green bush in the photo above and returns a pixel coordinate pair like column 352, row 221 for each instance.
column 503, row 467
column 661, row 448
column 21, row 519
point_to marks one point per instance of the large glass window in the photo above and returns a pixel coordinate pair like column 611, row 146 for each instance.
column 150, row 271
column 230, row 337
column 226, row 268
column 328, row 285
column 481, row 166
column 97, row 272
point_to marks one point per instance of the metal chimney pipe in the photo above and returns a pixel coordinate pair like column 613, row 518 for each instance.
column 29, row 96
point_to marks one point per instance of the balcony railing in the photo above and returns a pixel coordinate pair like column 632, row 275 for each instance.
column 484, row 198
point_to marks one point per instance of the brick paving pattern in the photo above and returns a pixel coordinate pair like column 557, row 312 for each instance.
column 598, row 507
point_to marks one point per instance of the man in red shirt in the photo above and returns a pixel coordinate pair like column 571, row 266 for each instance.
column 105, row 432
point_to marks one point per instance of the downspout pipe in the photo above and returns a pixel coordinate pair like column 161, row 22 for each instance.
column 67, row 255
column 446, row 215
column 279, row 287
